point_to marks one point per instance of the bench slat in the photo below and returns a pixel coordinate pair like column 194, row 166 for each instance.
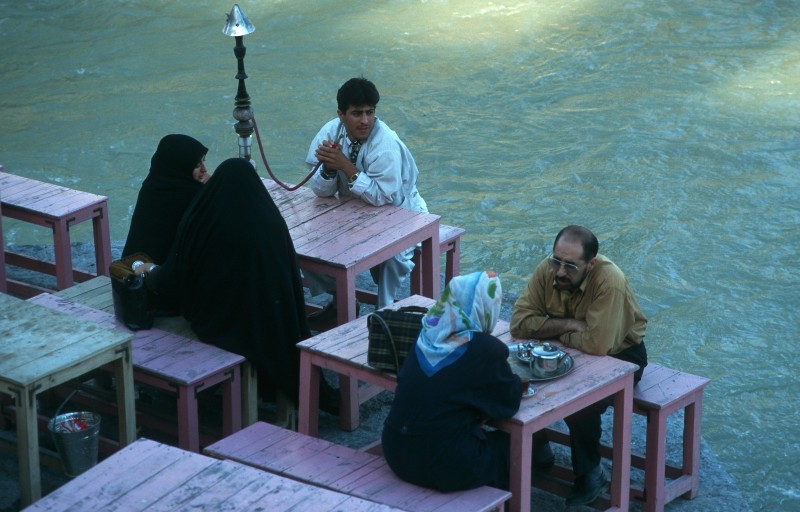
column 343, row 469
column 664, row 386
column 162, row 353
column 174, row 475
column 44, row 198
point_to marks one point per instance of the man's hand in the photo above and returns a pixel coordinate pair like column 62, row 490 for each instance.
column 552, row 328
column 329, row 153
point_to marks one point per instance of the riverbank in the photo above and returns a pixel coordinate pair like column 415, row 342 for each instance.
column 718, row 492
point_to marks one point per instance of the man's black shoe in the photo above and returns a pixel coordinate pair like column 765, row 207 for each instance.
column 588, row 487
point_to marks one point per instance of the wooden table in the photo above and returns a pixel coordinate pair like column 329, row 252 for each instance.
column 593, row 379
column 152, row 476
column 40, row 349
column 344, row 351
column 345, row 237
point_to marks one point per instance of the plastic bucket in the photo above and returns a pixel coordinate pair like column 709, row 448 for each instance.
column 77, row 436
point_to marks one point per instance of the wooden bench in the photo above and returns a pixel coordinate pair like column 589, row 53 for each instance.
column 176, row 364
column 449, row 245
column 58, row 208
column 340, row 468
column 662, row 392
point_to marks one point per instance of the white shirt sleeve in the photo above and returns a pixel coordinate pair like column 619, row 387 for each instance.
column 318, row 184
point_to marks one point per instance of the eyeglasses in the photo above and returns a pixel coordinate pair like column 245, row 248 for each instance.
column 556, row 265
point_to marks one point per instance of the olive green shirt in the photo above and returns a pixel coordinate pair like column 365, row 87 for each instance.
column 604, row 301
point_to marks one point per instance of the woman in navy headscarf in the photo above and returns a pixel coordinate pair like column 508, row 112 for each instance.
column 455, row 379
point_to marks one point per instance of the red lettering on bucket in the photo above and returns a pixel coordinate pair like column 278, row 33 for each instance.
column 71, row 426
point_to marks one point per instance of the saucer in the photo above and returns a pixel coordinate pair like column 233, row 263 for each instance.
column 531, row 391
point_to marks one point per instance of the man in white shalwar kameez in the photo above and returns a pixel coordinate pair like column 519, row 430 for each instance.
column 362, row 157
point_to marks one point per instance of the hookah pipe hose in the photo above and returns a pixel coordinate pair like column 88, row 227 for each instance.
column 264, row 158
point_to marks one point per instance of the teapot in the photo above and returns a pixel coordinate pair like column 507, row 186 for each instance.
column 545, row 359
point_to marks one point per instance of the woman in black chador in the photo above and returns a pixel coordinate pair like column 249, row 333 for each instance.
column 233, row 274
column 177, row 173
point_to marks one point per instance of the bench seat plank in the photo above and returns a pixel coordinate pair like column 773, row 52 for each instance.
column 34, row 196
column 159, row 352
column 343, row 469
column 661, row 387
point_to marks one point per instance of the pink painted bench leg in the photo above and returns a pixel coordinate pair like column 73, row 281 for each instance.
column 102, row 240
column 655, row 462
column 3, row 288
column 63, row 254
column 691, row 443
column 188, row 425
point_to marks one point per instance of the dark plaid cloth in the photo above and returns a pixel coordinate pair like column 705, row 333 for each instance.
column 392, row 334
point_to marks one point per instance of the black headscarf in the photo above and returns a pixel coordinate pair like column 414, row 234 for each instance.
column 164, row 196
column 235, row 275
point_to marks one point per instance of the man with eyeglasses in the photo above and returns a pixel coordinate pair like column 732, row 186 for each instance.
column 362, row 157
column 582, row 299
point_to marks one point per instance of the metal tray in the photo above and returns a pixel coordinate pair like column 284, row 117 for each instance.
column 521, row 365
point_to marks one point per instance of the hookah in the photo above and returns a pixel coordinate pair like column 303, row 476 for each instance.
column 238, row 26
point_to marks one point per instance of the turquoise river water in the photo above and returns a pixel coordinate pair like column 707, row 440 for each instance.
column 669, row 128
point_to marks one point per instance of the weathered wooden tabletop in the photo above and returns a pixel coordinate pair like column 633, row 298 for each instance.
column 152, row 476
column 41, row 348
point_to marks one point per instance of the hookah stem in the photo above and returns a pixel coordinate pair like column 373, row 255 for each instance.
column 264, row 158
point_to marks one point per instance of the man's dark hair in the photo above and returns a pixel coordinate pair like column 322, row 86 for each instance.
column 357, row 91
column 588, row 240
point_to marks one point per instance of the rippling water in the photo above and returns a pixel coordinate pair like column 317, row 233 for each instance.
column 669, row 128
